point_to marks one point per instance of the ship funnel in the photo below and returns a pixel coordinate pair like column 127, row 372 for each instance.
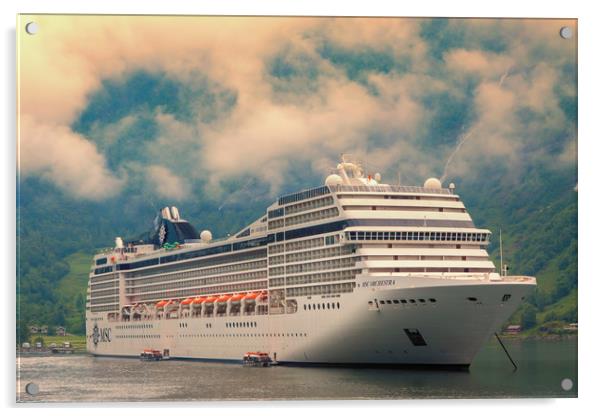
column 175, row 214
column 166, row 214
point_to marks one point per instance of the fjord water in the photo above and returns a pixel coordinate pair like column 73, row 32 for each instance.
column 542, row 366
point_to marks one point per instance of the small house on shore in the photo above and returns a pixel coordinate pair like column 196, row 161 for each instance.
column 513, row 329
column 60, row 331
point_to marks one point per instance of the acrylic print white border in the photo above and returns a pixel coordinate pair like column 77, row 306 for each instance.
column 589, row 131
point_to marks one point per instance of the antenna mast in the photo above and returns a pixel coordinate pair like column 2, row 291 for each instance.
column 501, row 254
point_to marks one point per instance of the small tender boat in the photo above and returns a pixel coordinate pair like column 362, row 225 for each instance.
column 151, row 355
column 257, row 359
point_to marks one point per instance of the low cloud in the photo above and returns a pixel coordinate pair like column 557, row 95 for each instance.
column 482, row 63
column 167, row 184
column 505, row 74
column 65, row 158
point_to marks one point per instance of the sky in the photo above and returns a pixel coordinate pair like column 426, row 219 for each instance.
column 180, row 105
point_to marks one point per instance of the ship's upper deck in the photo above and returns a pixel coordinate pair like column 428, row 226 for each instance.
column 348, row 199
column 361, row 189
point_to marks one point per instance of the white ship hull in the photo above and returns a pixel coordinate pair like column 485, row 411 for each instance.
column 453, row 327
column 354, row 272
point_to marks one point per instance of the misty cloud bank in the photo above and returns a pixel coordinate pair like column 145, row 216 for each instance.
column 179, row 104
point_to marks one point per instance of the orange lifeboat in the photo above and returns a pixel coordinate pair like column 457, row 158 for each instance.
column 187, row 301
column 251, row 296
column 199, row 300
column 223, row 298
column 172, row 302
column 210, row 299
column 237, row 298
column 161, row 304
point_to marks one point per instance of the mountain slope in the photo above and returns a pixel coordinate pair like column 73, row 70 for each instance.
column 538, row 217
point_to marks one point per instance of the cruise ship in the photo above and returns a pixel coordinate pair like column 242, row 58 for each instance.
column 354, row 272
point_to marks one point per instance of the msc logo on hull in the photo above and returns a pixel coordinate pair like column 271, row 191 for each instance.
column 100, row 335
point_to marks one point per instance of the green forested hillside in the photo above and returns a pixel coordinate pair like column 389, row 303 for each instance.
column 538, row 219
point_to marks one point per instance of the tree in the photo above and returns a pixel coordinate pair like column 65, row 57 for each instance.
column 529, row 317
column 22, row 332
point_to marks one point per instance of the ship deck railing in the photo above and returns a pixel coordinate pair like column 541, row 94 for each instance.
column 463, row 276
column 389, row 188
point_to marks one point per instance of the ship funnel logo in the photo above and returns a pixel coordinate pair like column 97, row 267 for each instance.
column 95, row 335
column 162, row 233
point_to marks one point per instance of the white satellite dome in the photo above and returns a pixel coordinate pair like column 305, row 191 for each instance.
column 432, row 183
column 118, row 242
column 206, row 236
column 333, row 180
column 377, row 177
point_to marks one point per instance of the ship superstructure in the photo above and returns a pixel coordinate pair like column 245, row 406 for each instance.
column 352, row 272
